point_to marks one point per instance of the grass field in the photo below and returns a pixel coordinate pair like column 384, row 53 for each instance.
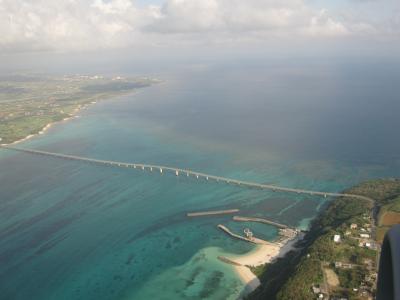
column 389, row 215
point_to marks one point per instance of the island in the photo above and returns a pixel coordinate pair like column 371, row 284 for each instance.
column 338, row 256
column 30, row 103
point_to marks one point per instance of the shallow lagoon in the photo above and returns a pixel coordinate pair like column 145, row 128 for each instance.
column 76, row 231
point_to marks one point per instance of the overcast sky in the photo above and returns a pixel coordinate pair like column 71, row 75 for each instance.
column 83, row 26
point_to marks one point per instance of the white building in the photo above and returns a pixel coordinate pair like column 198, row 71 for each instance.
column 336, row 238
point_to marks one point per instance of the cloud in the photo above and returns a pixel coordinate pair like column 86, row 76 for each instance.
column 235, row 16
column 322, row 24
column 68, row 25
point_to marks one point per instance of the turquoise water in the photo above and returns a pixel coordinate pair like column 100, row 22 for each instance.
column 70, row 230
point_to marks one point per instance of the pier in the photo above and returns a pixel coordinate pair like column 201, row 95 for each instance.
column 212, row 212
column 252, row 240
column 286, row 233
column 187, row 173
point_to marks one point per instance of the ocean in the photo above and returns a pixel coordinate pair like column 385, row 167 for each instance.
column 71, row 230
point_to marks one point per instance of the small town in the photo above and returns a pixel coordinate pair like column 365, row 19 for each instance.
column 352, row 274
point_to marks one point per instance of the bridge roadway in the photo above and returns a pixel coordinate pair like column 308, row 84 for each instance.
column 188, row 173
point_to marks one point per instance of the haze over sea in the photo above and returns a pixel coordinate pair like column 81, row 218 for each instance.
column 70, row 230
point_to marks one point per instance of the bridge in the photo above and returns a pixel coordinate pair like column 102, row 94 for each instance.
column 187, row 173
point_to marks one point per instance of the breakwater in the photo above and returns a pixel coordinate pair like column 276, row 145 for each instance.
column 259, row 220
column 212, row 212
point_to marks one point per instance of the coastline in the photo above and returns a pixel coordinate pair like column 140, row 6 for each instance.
column 71, row 116
column 261, row 255
column 44, row 129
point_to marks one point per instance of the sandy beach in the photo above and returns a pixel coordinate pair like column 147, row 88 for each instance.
column 247, row 277
column 261, row 255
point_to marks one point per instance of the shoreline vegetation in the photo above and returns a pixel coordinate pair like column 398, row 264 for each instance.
column 338, row 256
column 42, row 131
column 30, row 105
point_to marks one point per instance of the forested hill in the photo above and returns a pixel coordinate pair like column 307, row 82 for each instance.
column 346, row 268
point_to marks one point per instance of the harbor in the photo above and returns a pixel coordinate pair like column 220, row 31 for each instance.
column 249, row 236
column 265, row 251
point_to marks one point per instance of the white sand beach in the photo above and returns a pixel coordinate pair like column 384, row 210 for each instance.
column 261, row 255
column 247, row 277
column 21, row 140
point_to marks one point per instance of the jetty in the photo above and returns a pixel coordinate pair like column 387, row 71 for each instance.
column 260, row 220
column 237, row 236
column 229, row 261
column 212, row 212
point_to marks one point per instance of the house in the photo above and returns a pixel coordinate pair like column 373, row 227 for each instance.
column 336, row 238
column 353, row 226
column 367, row 262
column 374, row 246
column 364, row 235
column 343, row 265
column 316, row 290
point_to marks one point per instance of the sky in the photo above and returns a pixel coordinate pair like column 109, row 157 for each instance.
column 180, row 28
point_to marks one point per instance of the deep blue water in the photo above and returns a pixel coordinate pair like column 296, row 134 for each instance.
column 70, row 230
